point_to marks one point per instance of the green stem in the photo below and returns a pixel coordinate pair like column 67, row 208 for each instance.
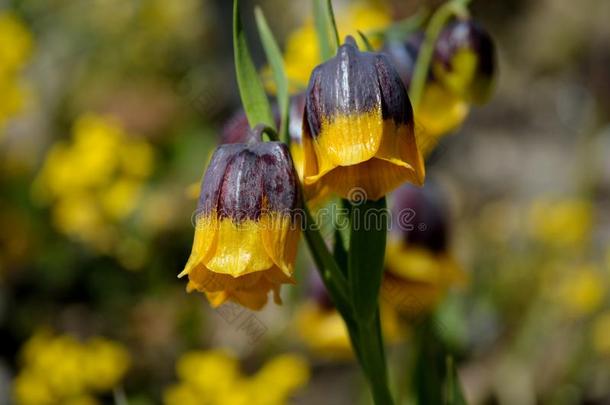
column 326, row 264
column 422, row 65
column 373, row 359
column 399, row 30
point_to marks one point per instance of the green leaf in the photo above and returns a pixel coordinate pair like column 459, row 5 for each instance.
column 332, row 23
column 274, row 57
column 430, row 372
column 319, row 14
column 373, row 360
column 326, row 264
column 326, row 28
column 251, row 88
column 453, row 388
column 369, row 227
column 367, row 43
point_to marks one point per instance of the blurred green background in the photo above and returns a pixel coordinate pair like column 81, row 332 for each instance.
column 108, row 113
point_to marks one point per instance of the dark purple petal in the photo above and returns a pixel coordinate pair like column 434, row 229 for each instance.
column 242, row 177
column 420, row 216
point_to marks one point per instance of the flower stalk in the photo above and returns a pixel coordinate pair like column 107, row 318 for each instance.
column 422, row 66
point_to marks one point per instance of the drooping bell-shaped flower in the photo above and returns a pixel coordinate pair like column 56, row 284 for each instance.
column 465, row 60
column 247, row 226
column 440, row 110
column 419, row 264
column 358, row 126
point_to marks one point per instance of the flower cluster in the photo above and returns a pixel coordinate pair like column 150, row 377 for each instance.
column 93, row 182
column 14, row 54
column 61, row 369
column 357, row 133
column 214, row 378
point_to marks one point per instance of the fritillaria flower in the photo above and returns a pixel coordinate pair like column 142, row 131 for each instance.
column 246, row 225
column 358, row 126
column 465, row 60
column 419, row 265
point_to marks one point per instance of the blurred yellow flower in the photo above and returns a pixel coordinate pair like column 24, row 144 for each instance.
column 439, row 113
column 302, row 54
column 95, row 180
column 212, row 372
column 323, row 331
column 104, row 364
column 561, row 223
column 16, row 43
column 60, row 369
column 601, row 334
column 15, row 52
column 581, row 290
column 213, row 377
column 416, row 279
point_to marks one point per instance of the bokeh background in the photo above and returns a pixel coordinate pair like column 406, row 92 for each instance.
column 108, row 113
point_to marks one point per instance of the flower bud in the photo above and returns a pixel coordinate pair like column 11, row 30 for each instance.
column 465, row 60
column 419, row 266
column 421, row 217
column 440, row 111
column 358, row 126
column 246, row 225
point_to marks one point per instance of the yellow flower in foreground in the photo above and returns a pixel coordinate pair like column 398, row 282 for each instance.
column 363, row 139
column 60, row 369
column 302, row 53
column 246, row 232
column 213, row 377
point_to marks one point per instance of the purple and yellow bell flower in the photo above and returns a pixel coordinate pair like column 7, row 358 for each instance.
column 440, row 111
column 419, row 264
column 247, row 231
column 358, row 126
column 465, row 60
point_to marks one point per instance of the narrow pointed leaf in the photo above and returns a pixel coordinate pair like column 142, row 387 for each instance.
column 332, row 24
column 251, row 90
column 453, row 388
column 367, row 43
column 321, row 24
column 274, row 58
column 369, row 227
